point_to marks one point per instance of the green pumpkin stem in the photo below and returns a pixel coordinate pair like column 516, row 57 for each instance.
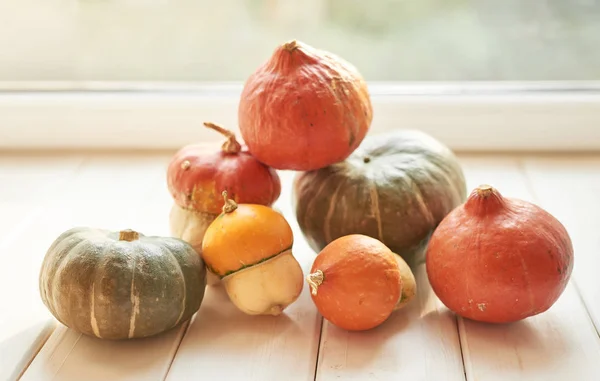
column 315, row 280
column 231, row 145
column 230, row 205
column 128, row 235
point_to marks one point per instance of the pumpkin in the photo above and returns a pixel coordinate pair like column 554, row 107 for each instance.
column 196, row 176
column 499, row 260
column 396, row 187
column 409, row 283
column 355, row 282
column 249, row 246
column 304, row 108
column 190, row 226
column 121, row 285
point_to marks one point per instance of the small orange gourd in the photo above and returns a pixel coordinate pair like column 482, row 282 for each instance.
column 356, row 282
column 249, row 246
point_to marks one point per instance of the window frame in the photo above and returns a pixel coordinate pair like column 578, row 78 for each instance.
column 493, row 116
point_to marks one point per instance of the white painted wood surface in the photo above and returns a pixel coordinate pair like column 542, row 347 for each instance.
column 559, row 344
column 27, row 185
column 423, row 342
column 223, row 340
column 419, row 342
column 569, row 188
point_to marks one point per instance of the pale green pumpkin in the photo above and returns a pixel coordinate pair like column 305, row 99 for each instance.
column 395, row 187
column 121, row 285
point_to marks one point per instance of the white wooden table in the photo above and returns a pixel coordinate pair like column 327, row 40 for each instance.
column 43, row 195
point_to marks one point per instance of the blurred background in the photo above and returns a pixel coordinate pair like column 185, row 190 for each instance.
column 181, row 41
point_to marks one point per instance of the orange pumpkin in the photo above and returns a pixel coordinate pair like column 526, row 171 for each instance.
column 197, row 174
column 355, row 282
column 304, row 109
column 249, row 247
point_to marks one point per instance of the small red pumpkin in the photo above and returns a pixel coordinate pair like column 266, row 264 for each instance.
column 304, row 109
column 499, row 260
column 198, row 174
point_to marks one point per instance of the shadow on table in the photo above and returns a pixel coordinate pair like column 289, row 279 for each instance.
column 219, row 322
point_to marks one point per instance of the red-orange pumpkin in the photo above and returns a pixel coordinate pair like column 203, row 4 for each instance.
column 499, row 260
column 304, row 109
column 198, row 174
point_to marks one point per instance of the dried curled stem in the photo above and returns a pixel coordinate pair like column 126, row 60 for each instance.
column 231, row 145
column 230, row 205
column 315, row 280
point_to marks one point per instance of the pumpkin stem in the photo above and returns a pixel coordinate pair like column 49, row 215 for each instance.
column 485, row 199
column 290, row 46
column 230, row 205
column 315, row 280
column 485, row 190
column 128, row 235
column 231, row 145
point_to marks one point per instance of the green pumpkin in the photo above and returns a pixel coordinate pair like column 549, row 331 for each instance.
column 121, row 285
column 395, row 187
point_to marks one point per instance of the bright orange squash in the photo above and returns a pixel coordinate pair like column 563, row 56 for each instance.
column 356, row 282
column 249, row 246
column 304, row 109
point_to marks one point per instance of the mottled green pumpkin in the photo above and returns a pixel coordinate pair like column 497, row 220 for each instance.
column 395, row 187
column 121, row 285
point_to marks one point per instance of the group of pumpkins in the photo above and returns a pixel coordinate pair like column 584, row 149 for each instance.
column 371, row 205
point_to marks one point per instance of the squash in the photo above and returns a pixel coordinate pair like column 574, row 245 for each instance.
column 190, row 226
column 518, row 268
column 121, row 285
column 304, row 109
column 198, row 173
column 355, row 282
column 409, row 283
column 396, row 187
column 249, row 246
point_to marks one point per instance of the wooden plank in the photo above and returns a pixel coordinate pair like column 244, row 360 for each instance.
column 112, row 192
column 569, row 188
column 417, row 343
column 556, row 345
column 28, row 184
column 222, row 342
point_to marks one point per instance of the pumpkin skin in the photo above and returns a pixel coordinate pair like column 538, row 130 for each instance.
column 250, row 247
column 395, row 187
column 121, row 285
column 304, row 109
column 355, row 282
column 190, row 226
column 519, row 267
column 197, row 174
column 409, row 283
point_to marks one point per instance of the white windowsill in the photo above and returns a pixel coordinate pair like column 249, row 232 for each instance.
column 511, row 117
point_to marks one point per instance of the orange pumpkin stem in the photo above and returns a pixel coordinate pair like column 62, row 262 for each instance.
column 128, row 235
column 230, row 205
column 231, row 145
column 315, row 280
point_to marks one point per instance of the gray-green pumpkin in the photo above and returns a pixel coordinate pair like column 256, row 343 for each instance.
column 395, row 187
column 121, row 285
